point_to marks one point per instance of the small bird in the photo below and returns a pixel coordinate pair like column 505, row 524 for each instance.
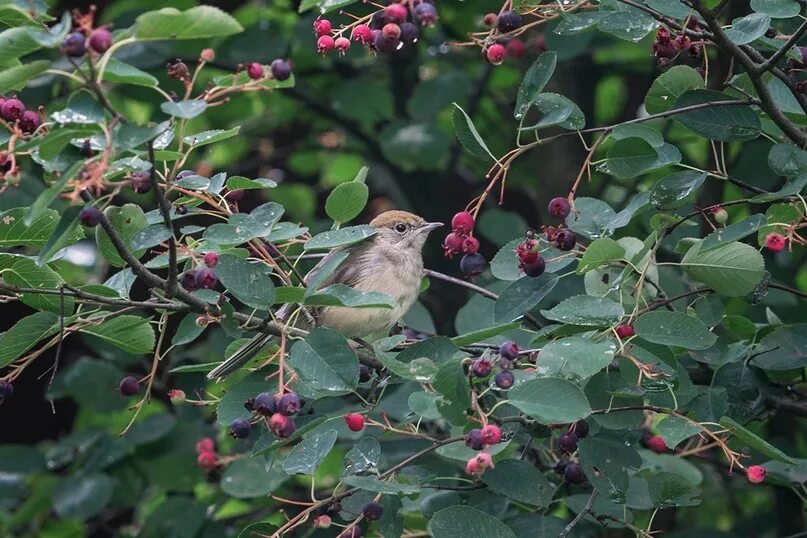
column 389, row 262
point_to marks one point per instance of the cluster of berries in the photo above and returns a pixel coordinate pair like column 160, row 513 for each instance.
column 206, row 456
column 372, row 511
column 204, row 278
column 506, row 22
column 279, row 69
column 462, row 241
column 279, row 409
column 567, row 442
column 386, row 30
column 76, row 43
column 508, row 359
column 667, row 48
column 13, row 111
column 480, row 439
column 528, row 251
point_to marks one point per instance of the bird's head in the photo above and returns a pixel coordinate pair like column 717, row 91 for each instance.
column 403, row 230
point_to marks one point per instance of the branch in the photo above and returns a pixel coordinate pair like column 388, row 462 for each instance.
column 165, row 211
column 783, row 403
column 87, row 297
column 579, row 517
column 770, row 62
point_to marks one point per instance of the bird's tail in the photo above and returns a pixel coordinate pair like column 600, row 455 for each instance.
column 241, row 356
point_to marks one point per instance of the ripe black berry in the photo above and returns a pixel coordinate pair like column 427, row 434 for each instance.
column 129, row 386
column 289, row 404
column 188, row 280
column 90, row 216
column 86, row 149
column 481, row 367
column 409, row 32
column 565, row 239
column 141, row 187
column 206, row 278
column 74, row 45
column 240, row 428
column 425, row 14
column 473, row 264
column 6, row 389
column 504, row 379
column 535, row 268
column 509, row 21
column 264, row 404
column 29, row 121
column 372, row 511
column 473, row 439
column 559, row 208
column 281, row 69
column 509, row 350
column 384, row 44
column 580, row 428
column 364, row 373
column 574, row 474
column 568, row 442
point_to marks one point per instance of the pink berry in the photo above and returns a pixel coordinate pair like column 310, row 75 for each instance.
column 775, row 242
column 29, row 122
column 100, row 40
column 362, row 34
column 206, row 460
column 205, row 444
column 354, row 421
column 281, row 425
column 491, row 434
column 490, row 19
column 391, row 31
column 515, row 48
column 322, row 27
column 211, row 259
column 527, row 252
column 452, row 244
column 396, row 13
column 462, row 223
column 470, row 245
column 255, row 70
column 342, row 44
column 625, row 331
column 559, row 208
column 177, row 396
column 12, row 110
column 495, row 53
column 322, row 522
column 325, row 44
column 756, row 474
column 656, row 444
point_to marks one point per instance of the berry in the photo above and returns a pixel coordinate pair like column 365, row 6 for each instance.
column 141, row 187
column 353, row 532
column 568, row 442
column 86, row 149
column 473, row 264
column 176, row 396
column 720, row 215
column 74, row 45
column 395, row 13
column 656, row 444
column 384, row 45
column 491, row 434
column 372, row 510
column 90, row 216
column 206, row 460
column 289, row 404
column 452, row 244
column 477, row 465
column 378, row 20
column 504, row 379
column 342, row 44
column 322, row 27
column 580, row 428
column 281, row 69
column 322, row 521
column 565, row 239
column 206, row 278
column 573, row 473
column 354, row 421
column 211, row 259
column 509, row 350
column 625, row 330
column 188, row 280
column 264, row 404
column 664, row 51
column 473, row 439
column 325, row 44
column 756, row 474
column 100, row 40
column 663, row 35
column 409, row 32
column 470, row 245
column 29, row 121
column 234, row 195
column 207, row 55
column 255, row 70
column 560, row 467
column 490, row 19
column 462, row 223
column 775, row 242
column 364, row 373
column 240, row 428
column 481, row 367
column 281, row 425
column 534, row 269
column 425, row 14
column 391, row 31
column 12, row 110
column 527, row 252
column 515, row 48
column 508, row 21
column 362, row 34
column 129, row 386
column 559, row 207
column 205, row 444
column 540, row 44
column 495, row 53
column 6, row 389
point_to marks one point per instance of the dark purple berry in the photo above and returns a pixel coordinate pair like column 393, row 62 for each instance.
column 141, row 187
column 560, row 467
column 129, row 386
column 90, row 216
column 74, row 45
column 240, row 428
column 559, row 208
column 289, row 404
column 281, row 69
column 473, row 264
column 509, row 21
column 504, row 379
column 372, row 511
column 409, row 32
column 383, row 44
column 364, row 373
column 6, row 389
column 12, row 110
column 509, row 350
column 565, row 239
column 86, row 148
column 188, row 280
column 425, row 14
column 264, row 404
column 580, row 428
column 568, row 442
column 535, row 268
column 481, row 367
column 473, row 439
column 573, row 473
column 29, row 121
column 100, row 40
column 206, row 278
column 378, row 20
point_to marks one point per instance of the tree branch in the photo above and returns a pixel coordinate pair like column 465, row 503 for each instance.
column 770, row 62
column 165, row 211
column 579, row 517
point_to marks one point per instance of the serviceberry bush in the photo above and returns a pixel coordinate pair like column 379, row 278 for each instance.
column 611, row 337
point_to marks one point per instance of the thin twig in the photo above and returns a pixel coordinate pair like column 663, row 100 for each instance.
column 579, row 517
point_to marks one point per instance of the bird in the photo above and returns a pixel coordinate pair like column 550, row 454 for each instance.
column 390, row 262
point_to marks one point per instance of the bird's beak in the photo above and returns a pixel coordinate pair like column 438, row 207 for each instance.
column 429, row 226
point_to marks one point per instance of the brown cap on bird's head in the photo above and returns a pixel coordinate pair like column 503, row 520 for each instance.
column 388, row 219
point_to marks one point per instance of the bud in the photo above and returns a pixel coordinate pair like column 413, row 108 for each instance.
column 177, row 396
column 208, row 55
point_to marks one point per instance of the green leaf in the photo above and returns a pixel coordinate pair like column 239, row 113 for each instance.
column 724, row 122
column 342, row 295
column 787, row 160
column 671, row 8
column 247, row 478
column 340, row 238
column 755, row 442
column 628, row 25
column 746, row 29
column 184, row 109
column 82, row 108
column 306, row 456
column 674, row 190
column 211, row 137
column 521, row 296
column 346, row 201
column 248, row 282
column 468, row 136
column 520, row 481
column 586, row 310
column 386, row 487
column 324, row 6
column 668, row 490
column 573, row 23
column 15, row 78
column 733, row 232
column 629, row 157
column 363, row 456
column 576, row 357
column 674, row 329
column 675, row 429
column 14, row 232
column 550, row 400
column 732, row 270
column 25, row 334
column 127, row 220
column 557, row 110
column 82, row 497
column 638, row 130
column 195, row 23
column 25, row 273
column 187, row 331
column 606, row 462
column 600, row 252
column 593, row 217
column 132, row 334
column 483, row 334
column 123, row 73
column 464, row 521
column 66, row 232
column 534, row 81
column 785, row 348
column 669, row 86
column 326, row 362
column 776, row 9
column 240, row 182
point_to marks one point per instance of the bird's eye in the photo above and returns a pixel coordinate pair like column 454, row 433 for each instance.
column 400, row 227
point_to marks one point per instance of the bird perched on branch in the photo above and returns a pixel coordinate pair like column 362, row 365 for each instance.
column 389, row 262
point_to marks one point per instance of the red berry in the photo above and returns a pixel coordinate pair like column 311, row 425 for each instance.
column 481, row 367
column 663, row 35
column 775, row 242
column 12, row 110
column 515, row 48
column 90, row 216
column 491, row 434
column 207, row 55
column 29, row 122
column 495, row 53
column 462, row 223
column 396, row 13
column 281, row 425
column 527, row 251
column 281, row 69
column 100, row 40
column 391, row 31
column 255, row 70
column 756, row 474
column 477, row 465
column 425, row 14
column 129, row 386
column 206, row 460
column 342, row 44
column 559, row 207
column 452, row 244
column 205, row 444
column 656, row 444
column 211, row 259
column 470, row 245
column 362, row 34
column 322, row 27
column 322, row 522
column 490, row 19
column 625, row 330
column 325, row 44
column 354, row 421
column 682, row 42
